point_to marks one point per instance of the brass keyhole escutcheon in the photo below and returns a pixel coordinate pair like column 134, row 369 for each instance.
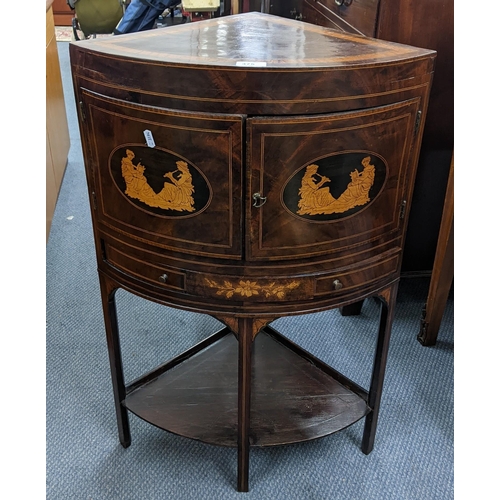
column 258, row 200
column 337, row 285
column 163, row 278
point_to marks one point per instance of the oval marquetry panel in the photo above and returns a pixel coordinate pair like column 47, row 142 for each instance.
column 159, row 181
column 335, row 186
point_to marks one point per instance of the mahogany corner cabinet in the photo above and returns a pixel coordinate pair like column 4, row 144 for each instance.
column 250, row 167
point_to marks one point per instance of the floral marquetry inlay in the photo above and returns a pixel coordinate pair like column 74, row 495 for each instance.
column 247, row 288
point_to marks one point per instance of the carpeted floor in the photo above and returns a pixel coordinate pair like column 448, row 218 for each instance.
column 64, row 33
column 414, row 448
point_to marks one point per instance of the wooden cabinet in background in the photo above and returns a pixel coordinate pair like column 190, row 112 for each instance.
column 423, row 23
column 57, row 132
column 63, row 14
column 352, row 16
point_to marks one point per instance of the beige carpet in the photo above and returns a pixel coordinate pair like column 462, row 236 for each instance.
column 64, row 33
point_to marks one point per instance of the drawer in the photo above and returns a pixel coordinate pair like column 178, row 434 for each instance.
column 250, row 289
column 138, row 266
column 353, row 16
column 361, row 276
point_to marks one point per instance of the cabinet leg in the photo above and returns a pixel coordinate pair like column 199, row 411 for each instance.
column 379, row 364
column 244, row 385
column 108, row 291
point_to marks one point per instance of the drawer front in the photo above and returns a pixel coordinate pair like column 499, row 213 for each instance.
column 364, row 276
column 353, row 16
column 139, row 267
column 147, row 270
column 248, row 289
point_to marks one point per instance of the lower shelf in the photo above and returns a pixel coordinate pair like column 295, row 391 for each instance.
column 292, row 399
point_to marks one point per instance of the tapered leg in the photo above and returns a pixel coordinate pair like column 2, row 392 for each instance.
column 108, row 290
column 379, row 364
column 244, row 385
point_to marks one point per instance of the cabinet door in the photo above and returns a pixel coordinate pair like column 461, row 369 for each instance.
column 165, row 178
column 331, row 184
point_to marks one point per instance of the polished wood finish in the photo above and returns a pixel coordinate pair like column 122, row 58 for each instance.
column 57, row 131
column 262, row 169
column 215, row 74
column 388, row 297
column 197, row 401
column 442, row 272
column 245, row 347
column 108, row 291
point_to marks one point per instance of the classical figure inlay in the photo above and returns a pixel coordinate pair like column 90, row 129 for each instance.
column 247, row 288
column 316, row 199
column 176, row 193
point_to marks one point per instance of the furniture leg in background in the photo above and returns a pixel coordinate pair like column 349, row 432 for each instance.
column 442, row 272
column 235, row 7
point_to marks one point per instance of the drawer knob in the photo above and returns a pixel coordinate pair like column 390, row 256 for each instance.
column 339, row 2
column 163, row 278
column 337, row 285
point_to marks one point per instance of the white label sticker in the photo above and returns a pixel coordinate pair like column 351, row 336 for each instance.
column 149, row 138
column 251, row 64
